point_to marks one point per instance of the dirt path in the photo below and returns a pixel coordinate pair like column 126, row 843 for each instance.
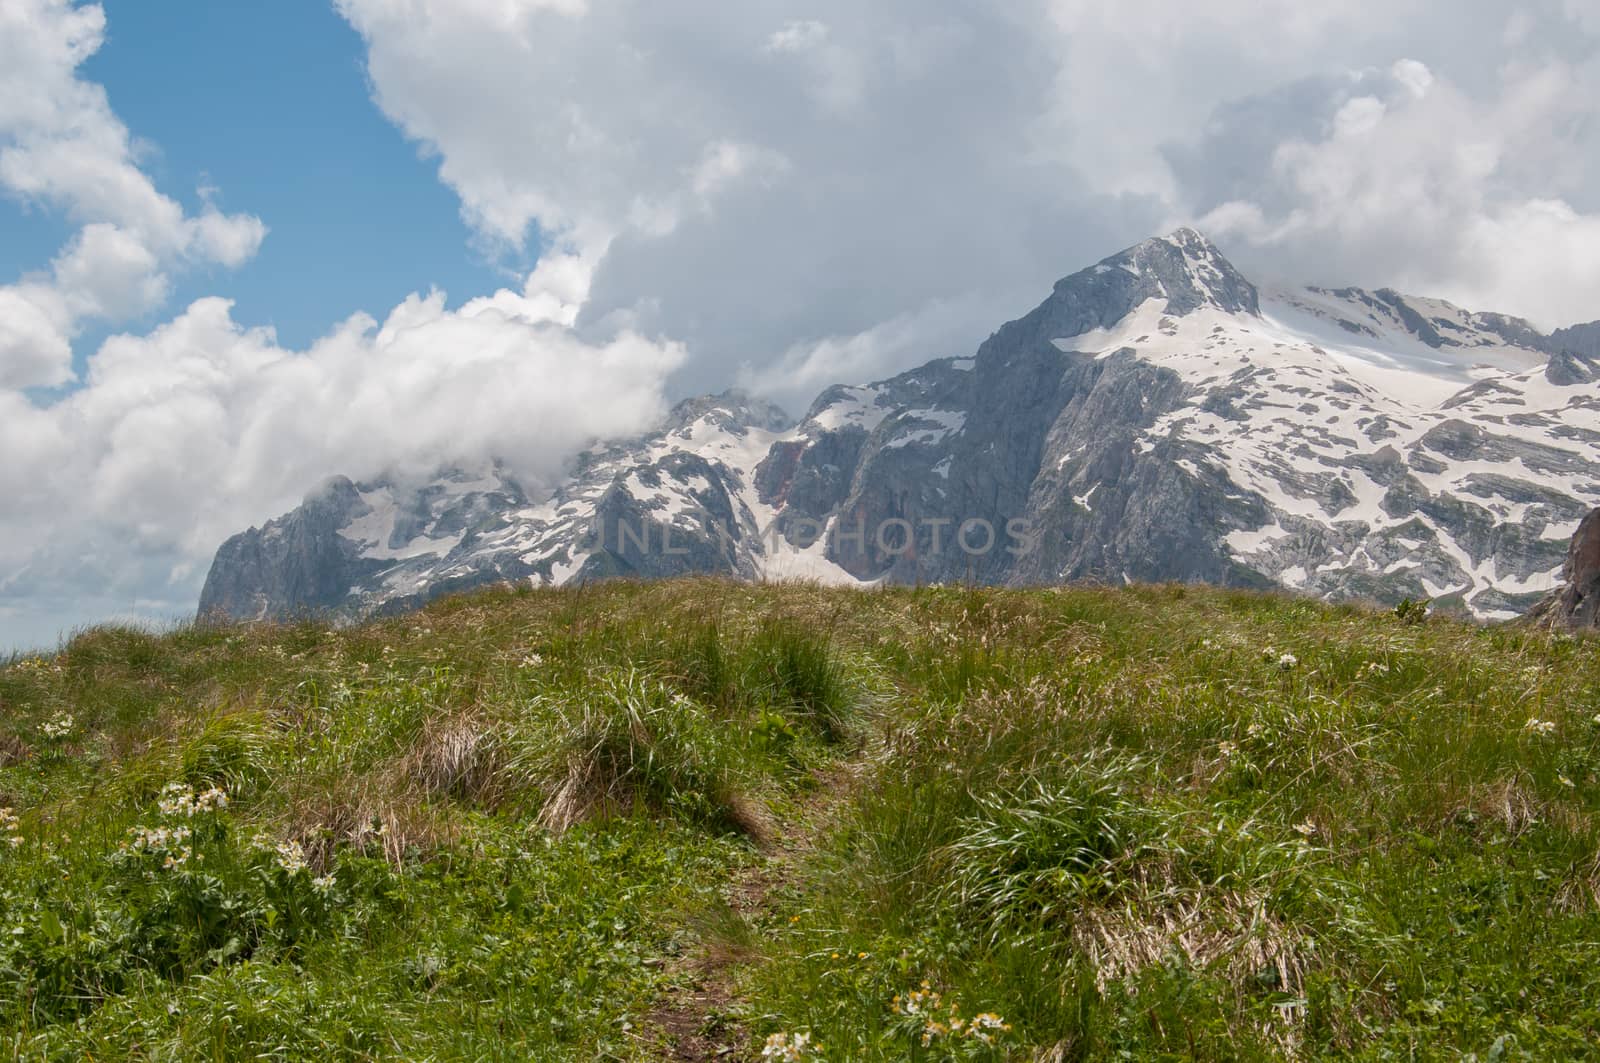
column 693, row 1021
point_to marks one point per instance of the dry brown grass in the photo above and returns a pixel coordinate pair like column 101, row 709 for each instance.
column 588, row 790
column 460, row 757
column 369, row 815
column 13, row 750
column 1209, row 930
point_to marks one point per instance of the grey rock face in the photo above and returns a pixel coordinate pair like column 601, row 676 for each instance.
column 1576, row 604
column 1157, row 417
column 1583, row 340
column 667, row 504
column 1567, row 368
column 296, row 565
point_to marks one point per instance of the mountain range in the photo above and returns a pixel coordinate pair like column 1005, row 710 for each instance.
column 1158, row 417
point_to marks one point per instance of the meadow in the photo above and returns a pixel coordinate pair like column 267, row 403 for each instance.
column 706, row 820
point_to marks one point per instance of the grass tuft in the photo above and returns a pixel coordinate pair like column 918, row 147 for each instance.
column 805, row 676
column 631, row 743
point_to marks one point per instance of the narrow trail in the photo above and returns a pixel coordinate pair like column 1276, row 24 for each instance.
column 693, row 1020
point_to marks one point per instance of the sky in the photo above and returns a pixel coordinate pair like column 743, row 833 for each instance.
column 247, row 246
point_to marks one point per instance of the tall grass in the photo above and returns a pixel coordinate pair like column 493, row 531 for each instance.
column 1151, row 822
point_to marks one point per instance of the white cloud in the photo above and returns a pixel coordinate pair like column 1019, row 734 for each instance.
column 803, row 371
column 107, row 272
column 934, row 152
column 1414, row 76
column 117, row 492
column 756, row 178
column 62, row 147
column 1429, row 188
column 34, row 351
column 204, row 427
column 727, row 162
column 1584, row 13
column 799, row 36
column 1358, row 117
column 1138, row 74
column 227, row 239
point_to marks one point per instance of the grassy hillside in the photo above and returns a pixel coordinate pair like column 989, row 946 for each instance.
column 672, row 820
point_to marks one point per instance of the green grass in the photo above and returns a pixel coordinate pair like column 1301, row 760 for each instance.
column 1155, row 822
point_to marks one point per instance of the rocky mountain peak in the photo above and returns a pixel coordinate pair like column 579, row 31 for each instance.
column 1191, row 272
column 732, row 409
column 1182, row 271
column 1579, row 339
column 1154, row 418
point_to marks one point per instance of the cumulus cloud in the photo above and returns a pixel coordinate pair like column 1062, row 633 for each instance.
column 34, row 350
column 1414, row 182
column 62, row 147
column 806, row 368
column 927, row 156
column 760, row 179
column 203, row 427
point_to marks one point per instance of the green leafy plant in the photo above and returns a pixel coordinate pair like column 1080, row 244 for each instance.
column 1412, row 610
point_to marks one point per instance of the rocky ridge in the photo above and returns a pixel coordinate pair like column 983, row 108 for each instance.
column 1157, row 417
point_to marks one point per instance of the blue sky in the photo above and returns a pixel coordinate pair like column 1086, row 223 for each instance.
column 268, row 102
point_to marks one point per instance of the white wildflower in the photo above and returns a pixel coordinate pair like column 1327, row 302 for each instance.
column 532, row 660
column 923, row 1001
column 58, row 727
column 10, row 828
column 788, row 1048
column 940, row 1020
column 169, row 843
column 1306, row 829
column 212, row 800
column 1540, row 727
column 985, row 1024
column 179, row 799
column 291, row 857
column 322, row 883
column 1288, row 661
column 176, row 799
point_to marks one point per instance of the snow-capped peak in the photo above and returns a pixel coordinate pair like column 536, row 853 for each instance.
column 732, row 409
column 1156, row 417
column 1189, row 271
column 1432, row 322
